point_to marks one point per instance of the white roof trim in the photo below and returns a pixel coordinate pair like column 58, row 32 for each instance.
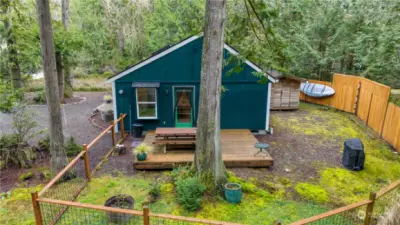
column 252, row 65
column 175, row 47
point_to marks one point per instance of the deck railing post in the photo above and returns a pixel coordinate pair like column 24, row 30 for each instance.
column 146, row 218
column 86, row 161
column 121, row 125
column 36, row 208
column 113, row 133
column 370, row 209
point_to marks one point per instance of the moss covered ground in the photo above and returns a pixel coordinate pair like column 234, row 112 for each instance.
column 324, row 132
column 309, row 142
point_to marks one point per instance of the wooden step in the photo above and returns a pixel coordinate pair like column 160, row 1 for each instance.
column 186, row 141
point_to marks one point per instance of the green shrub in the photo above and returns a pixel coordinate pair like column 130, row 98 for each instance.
column 44, row 143
column 90, row 89
column 182, row 172
column 26, row 176
column 312, row 192
column 39, row 97
column 72, row 147
column 155, row 190
column 190, row 192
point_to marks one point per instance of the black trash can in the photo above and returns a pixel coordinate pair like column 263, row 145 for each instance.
column 137, row 130
column 353, row 154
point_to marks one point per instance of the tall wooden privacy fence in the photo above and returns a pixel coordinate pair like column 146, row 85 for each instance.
column 368, row 100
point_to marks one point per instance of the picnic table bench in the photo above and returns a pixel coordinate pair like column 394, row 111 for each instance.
column 175, row 136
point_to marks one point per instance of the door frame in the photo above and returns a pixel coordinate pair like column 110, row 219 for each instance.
column 194, row 100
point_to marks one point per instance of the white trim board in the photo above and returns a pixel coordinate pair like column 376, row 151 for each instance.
column 114, row 96
column 175, row 47
column 268, row 109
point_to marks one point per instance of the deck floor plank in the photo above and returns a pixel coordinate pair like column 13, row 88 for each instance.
column 237, row 148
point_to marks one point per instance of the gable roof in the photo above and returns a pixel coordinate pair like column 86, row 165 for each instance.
column 168, row 49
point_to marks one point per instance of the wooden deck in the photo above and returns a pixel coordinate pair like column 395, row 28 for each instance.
column 237, row 151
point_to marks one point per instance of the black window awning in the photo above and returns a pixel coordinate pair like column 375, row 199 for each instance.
column 146, row 84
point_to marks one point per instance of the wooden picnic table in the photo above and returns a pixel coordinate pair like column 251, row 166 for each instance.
column 175, row 136
column 175, row 132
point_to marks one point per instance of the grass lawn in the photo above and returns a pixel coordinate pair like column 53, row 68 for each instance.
column 307, row 177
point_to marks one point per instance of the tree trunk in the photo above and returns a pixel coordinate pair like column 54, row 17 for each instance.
column 121, row 40
column 65, row 13
column 60, row 77
column 68, row 88
column 58, row 157
column 208, row 160
column 13, row 63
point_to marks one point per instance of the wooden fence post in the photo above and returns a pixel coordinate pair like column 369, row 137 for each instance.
column 277, row 222
column 370, row 209
column 121, row 125
column 113, row 133
column 86, row 160
column 36, row 208
column 146, row 218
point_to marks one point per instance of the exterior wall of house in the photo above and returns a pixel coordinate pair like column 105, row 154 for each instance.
column 243, row 105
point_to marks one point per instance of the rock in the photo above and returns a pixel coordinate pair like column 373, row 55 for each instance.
column 287, row 170
column 120, row 149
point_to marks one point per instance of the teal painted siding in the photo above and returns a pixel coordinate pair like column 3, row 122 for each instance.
column 243, row 105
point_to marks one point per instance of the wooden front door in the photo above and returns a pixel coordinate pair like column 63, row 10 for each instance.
column 183, row 107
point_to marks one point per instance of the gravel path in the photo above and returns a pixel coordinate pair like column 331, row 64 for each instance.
column 76, row 124
column 76, row 121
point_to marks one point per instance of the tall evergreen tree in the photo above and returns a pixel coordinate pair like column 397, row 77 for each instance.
column 208, row 157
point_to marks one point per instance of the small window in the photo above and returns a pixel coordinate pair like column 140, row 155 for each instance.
column 146, row 103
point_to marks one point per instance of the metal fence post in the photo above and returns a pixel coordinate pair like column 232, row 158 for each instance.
column 121, row 125
column 113, row 133
column 370, row 209
column 36, row 208
column 86, row 160
column 146, row 218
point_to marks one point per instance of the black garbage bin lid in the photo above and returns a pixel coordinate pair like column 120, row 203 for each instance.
column 354, row 143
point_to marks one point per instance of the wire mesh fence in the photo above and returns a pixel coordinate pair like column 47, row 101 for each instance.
column 73, row 215
column 68, row 186
column 353, row 216
column 55, row 203
column 384, row 205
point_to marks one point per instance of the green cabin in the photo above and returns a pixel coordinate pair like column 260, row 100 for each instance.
column 163, row 90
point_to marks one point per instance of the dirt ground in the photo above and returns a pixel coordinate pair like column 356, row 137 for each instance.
column 303, row 142
column 76, row 123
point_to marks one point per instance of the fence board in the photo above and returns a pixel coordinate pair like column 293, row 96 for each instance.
column 365, row 98
column 379, row 102
column 391, row 128
column 345, row 87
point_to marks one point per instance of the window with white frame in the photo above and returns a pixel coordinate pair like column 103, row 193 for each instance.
column 146, row 103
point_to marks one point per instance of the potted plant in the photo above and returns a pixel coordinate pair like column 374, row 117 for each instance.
column 107, row 98
column 119, row 201
column 141, row 151
column 233, row 192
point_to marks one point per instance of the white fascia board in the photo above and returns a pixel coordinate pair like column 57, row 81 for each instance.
column 252, row 65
